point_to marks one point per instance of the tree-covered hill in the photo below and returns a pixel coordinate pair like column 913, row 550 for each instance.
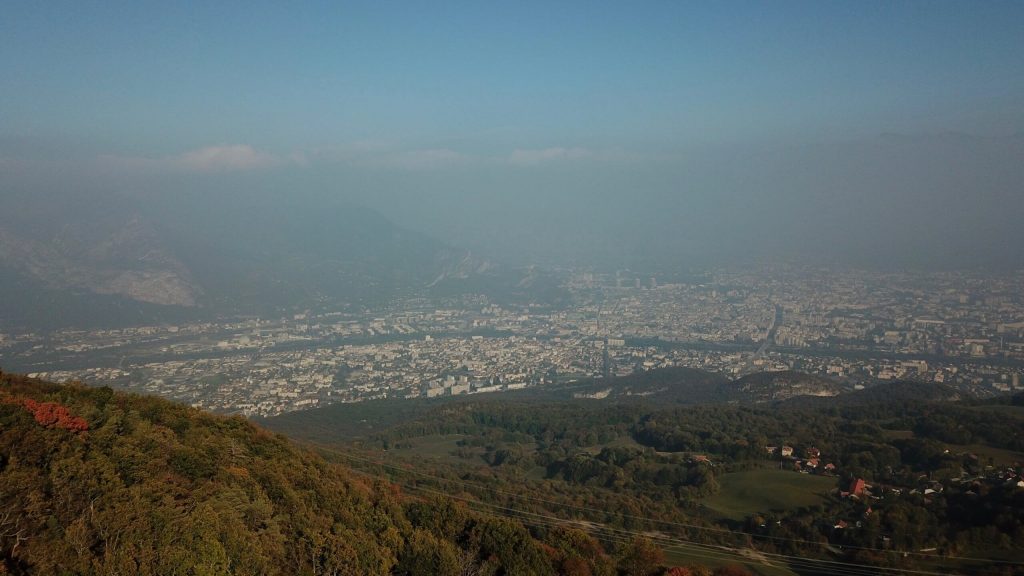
column 902, row 478
column 97, row 482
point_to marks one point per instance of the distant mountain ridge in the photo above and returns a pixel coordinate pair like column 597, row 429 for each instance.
column 215, row 253
column 124, row 259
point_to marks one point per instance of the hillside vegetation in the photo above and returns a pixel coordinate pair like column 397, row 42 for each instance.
column 902, row 476
column 97, row 482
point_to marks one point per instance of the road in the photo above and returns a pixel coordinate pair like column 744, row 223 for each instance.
column 769, row 337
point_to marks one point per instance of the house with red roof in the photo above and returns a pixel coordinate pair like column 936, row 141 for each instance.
column 858, row 487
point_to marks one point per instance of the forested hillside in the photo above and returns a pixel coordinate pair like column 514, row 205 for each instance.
column 882, row 481
column 97, row 482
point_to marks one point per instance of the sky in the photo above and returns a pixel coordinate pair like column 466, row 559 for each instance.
column 860, row 132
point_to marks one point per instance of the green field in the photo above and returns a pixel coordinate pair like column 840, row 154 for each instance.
column 748, row 492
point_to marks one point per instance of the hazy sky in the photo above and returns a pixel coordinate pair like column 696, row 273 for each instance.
column 888, row 127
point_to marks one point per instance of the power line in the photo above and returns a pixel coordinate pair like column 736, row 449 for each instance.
column 715, row 529
column 705, row 551
column 834, row 567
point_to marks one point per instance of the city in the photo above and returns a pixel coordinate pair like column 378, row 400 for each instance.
column 858, row 328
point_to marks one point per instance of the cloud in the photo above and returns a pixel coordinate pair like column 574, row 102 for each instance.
column 533, row 157
column 378, row 154
column 237, row 157
column 225, row 158
column 383, row 155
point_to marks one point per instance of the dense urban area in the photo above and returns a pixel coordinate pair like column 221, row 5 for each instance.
column 856, row 327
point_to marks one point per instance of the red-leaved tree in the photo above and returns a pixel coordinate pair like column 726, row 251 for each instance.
column 51, row 414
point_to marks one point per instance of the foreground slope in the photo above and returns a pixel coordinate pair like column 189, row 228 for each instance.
column 96, row 482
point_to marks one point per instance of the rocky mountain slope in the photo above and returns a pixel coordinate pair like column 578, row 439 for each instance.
column 229, row 253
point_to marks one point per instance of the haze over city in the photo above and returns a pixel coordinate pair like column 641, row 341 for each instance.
column 834, row 181
column 868, row 134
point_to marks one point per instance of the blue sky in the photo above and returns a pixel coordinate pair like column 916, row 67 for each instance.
column 492, row 77
column 390, row 100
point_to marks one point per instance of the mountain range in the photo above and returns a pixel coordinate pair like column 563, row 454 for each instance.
column 115, row 258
